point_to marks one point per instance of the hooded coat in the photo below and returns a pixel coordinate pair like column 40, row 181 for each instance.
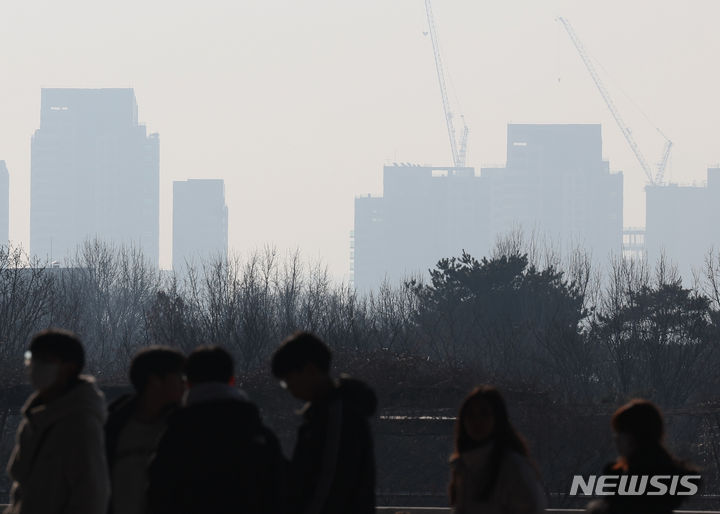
column 333, row 465
column 58, row 463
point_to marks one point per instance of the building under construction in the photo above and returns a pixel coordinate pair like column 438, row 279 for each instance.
column 681, row 223
column 555, row 186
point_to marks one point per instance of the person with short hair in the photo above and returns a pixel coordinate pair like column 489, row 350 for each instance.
column 491, row 467
column 136, row 422
column 216, row 456
column 58, row 463
column 333, row 464
column 639, row 432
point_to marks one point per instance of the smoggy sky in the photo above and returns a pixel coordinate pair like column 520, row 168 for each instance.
column 298, row 104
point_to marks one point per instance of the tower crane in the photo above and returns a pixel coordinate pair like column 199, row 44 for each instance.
column 459, row 151
column 655, row 179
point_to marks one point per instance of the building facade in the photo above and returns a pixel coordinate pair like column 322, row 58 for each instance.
column 4, row 204
column 555, row 185
column 681, row 223
column 94, row 174
column 200, row 222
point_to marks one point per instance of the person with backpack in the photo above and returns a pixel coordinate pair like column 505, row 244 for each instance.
column 216, row 456
column 58, row 463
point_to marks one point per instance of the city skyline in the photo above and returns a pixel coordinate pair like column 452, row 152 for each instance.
column 284, row 102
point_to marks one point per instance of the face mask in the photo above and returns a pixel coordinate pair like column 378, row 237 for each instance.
column 43, row 374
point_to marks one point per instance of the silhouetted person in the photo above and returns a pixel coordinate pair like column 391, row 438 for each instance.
column 491, row 471
column 216, row 456
column 639, row 431
column 137, row 421
column 58, row 464
column 333, row 465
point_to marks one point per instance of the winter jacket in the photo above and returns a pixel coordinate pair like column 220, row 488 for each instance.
column 133, row 443
column 58, row 464
column 119, row 413
column 333, row 465
column 652, row 460
column 517, row 489
column 216, row 457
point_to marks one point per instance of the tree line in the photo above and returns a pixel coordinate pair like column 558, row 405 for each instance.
column 559, row 333
column 560, row 324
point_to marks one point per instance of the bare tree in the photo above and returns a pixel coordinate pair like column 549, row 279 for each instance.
column 25, row 298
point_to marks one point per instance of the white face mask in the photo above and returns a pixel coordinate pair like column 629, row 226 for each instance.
column 43, row 374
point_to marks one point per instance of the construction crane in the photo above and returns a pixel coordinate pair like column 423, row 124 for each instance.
column 459, row 151
column 658, row 177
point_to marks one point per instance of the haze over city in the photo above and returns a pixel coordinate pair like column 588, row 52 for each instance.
column 478, row 256
column 297, row 106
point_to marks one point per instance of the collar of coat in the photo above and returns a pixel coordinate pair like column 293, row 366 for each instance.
column 213, row 391
column 82, row 397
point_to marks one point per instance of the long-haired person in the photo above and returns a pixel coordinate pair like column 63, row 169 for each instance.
column 491, row 468
column 639, row 431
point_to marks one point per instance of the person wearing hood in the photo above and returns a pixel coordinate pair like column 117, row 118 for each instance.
column 58, row 463
column 136, row 422
column 491, row 469
column 333, row 466
column 216, row 456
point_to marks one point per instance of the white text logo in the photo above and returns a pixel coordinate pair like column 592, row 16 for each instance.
column 635, row 485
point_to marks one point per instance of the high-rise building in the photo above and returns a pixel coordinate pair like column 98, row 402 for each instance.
column 200, row 222
column 4, row 204
column 681, row 223
column 95, row 173
column 555, row 185
column 425, row 213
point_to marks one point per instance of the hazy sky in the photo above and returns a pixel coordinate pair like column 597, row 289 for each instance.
column 298, row 104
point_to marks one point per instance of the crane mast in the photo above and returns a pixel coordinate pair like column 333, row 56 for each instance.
column 627, row 133
column 660, row 175
column 458, row 152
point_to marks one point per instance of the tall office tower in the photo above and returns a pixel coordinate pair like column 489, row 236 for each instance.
column 200, row 222
column 4, row 204
column 95, row 173
column 555, row 186
column 681, row 223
